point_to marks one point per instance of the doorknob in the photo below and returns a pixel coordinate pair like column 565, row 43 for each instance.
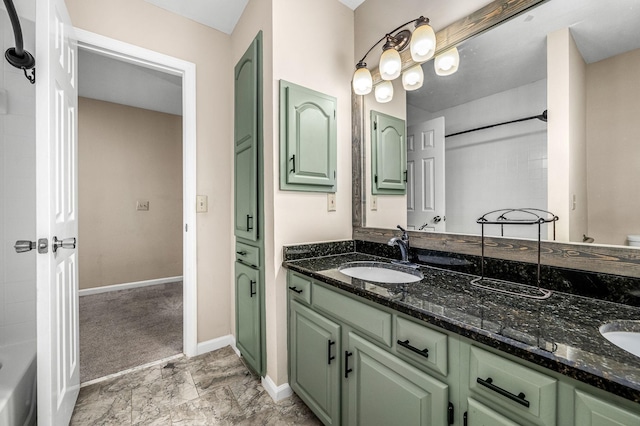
column 67, row 243
column 23, row 246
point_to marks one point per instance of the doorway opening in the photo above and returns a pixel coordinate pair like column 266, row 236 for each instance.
column 137, row 183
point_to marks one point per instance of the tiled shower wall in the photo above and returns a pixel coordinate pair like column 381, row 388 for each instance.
column 17, row 191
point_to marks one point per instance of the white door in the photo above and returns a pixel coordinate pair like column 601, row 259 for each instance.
column 425, row 176
column 56, row 213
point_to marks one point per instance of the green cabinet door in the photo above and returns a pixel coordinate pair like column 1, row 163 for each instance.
column 248, row 315
column 592, row 411
column 481, row 415
column 388, row 154
column 246, row 134
column 308, row 139
column 383, row 390
column 314, row 358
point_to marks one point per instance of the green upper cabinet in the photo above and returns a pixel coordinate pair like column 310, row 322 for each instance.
column 388, row 154
column 246, row 138
column 308, row 139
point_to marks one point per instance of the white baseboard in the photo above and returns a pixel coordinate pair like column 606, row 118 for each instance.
column 218, row 343
column 277, row 393
column 126, row 286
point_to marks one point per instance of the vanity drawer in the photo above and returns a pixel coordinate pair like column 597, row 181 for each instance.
column 300, row 287
column 422, row 345
column 509, row 387
column 249, row 255
column 373, row 322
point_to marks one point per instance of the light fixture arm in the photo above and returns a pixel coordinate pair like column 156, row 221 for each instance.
column 388, row 36
column 17, row 56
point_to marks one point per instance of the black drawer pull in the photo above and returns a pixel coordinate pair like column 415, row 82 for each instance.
column 329, row 357
column 252, row 287
column 241, row 253
column 405, row 344
column 295, row 289
column 293, row 159
column 347, row 370
column 249, row 225
column 520, row 398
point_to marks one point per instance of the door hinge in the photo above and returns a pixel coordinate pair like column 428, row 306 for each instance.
column 186, row 227
column 375, row 125
column 450, row 413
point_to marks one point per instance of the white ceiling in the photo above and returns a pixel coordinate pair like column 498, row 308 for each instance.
column 514, row 53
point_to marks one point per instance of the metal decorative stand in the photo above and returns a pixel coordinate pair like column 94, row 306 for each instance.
column 525, row 216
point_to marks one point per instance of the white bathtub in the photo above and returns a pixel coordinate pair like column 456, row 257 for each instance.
column 17, row 384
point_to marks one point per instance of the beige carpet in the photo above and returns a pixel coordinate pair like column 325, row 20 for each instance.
column 127, row 328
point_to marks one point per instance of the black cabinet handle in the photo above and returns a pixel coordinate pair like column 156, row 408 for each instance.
column 329, row 357
column 520, row 398
column 347, row 370
column 293, row 160
column 252, row 287
column 242, row 253
column 450, row 413
column 249, row 225
column 295, row 289
column 464, row 419
column 406, row 179
column 405, row 344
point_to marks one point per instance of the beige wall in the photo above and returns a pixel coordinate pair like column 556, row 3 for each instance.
column 613, row 151
column 142, row 24
column 127, row 154
column 312, row 47
column 566, row 136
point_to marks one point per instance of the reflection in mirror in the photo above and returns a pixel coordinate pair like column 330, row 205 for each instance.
column 578, row 60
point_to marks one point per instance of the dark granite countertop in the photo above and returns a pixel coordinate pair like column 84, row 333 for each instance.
column 560, row 333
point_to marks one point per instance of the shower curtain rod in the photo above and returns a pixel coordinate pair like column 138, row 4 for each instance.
column 17, row 56
column 541, row 117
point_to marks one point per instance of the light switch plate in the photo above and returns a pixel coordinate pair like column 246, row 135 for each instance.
column 202, row 204
column 374, row 202
column 142, row 205
column 331, row 202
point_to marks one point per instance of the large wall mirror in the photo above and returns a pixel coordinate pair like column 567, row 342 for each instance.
column 580, row 61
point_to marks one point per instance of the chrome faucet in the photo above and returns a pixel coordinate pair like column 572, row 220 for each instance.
column 403, row 243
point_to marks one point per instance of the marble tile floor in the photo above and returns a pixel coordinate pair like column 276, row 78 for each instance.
column 211, row 389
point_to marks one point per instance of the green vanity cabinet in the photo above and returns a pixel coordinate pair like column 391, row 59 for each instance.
column 391, row 369
column 308, row 139
column 388, row 154
column 248, row 314
column 314, row 357
column 248, row 202
column 384, row 390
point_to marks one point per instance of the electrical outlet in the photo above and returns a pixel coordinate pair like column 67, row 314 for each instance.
column 142, row 206
column 374, row 202
column 331, row 202
column 202, row 204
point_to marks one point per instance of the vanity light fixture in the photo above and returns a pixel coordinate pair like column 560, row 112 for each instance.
column 447, row 63
column 422, row 45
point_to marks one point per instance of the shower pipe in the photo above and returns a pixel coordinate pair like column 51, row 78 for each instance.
column 17, row 56
column 541, row 117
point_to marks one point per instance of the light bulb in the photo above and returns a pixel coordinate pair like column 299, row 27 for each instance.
column 413, row 78
column 362, row 82
column 423, row 43
column 384, row 92
column 390, row 64
column 447, row 63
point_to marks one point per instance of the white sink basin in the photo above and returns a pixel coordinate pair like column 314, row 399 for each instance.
column 623, row 334
column 381, row 272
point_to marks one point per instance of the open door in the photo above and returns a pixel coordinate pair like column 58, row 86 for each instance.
column 56, row 213
column 425, row 183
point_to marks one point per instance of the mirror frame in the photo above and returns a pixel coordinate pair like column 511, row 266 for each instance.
column 616, row 260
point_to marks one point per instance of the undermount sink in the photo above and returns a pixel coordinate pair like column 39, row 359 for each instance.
column 624, row 334
column 381, row 272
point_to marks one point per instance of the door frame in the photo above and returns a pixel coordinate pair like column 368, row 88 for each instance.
column 187, row 70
